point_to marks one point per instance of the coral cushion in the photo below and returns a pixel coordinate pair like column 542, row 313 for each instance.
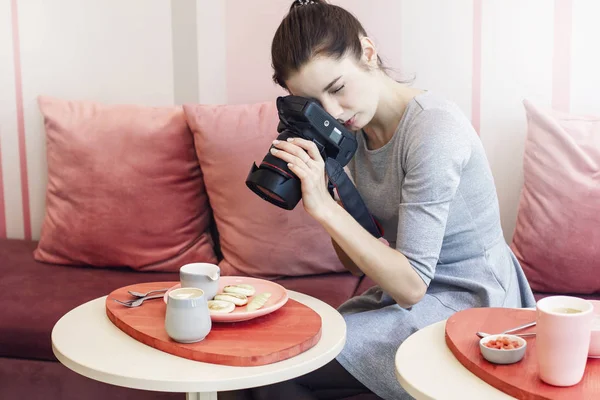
column 256, row 237
column 557, row 236
column 124, row 188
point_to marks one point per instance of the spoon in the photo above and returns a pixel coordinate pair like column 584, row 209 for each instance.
column 138, row 294
column 518, row 328
column 484, row 334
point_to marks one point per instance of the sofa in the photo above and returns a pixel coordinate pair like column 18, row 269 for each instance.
column 80, row 257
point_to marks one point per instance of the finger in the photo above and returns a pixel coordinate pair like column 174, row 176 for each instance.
column 300, row 172
column 293, row 149
column 291, row 158
column 309, row 146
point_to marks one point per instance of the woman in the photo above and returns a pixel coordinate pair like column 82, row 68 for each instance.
column 423, row 173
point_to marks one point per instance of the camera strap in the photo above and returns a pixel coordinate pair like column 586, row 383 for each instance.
column 350, row 197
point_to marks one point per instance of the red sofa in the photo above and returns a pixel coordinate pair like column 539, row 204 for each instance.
column 35, row 295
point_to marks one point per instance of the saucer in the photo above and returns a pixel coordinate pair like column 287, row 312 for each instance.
column 278, row 298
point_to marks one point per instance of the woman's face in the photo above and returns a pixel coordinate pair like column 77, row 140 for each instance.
column 347, row 90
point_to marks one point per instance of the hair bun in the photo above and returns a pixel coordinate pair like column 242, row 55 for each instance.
column 298, row 3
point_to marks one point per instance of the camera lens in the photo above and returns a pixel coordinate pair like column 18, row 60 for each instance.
column 274, row 182
column 270, row 194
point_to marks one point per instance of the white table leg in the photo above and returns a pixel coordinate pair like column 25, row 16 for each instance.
column 201, row 396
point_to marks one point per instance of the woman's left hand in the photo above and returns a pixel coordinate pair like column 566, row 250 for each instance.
column 304, row 160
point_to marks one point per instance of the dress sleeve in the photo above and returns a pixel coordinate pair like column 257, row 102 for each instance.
column 437, row 149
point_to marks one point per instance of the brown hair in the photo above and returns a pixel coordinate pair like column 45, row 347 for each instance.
column 313, row 28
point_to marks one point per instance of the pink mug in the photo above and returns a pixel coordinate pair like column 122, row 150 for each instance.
column 563, row 329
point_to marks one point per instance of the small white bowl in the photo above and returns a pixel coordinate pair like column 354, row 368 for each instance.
column 502, row 356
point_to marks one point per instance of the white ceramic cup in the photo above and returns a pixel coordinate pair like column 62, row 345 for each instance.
column 563, row 338
column 203, row 276
column 187, row 319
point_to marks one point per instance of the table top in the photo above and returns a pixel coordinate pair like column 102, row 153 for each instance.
column 427, row 369
column 87, row 342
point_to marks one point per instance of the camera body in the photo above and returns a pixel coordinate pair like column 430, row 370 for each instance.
column 305, row 118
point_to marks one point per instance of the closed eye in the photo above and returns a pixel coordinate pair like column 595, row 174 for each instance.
column 338, row 89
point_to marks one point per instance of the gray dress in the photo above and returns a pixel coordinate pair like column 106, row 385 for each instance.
column 432, row 190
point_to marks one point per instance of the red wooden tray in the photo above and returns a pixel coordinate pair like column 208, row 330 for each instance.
column 284, row 333
column 521, row 379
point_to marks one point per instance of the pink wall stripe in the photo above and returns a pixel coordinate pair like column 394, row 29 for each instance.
column 2, row 205
column 561, row 58
column 20, row 121
column 476, row 74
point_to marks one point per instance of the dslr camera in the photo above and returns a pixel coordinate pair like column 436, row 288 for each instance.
column 304, row 118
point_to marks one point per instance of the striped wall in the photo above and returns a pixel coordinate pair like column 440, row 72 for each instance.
column 486, row 55
column 106, row 50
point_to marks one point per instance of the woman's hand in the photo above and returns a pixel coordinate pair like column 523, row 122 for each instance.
column 306, row 163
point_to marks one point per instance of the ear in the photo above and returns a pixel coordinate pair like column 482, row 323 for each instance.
column 369, row 51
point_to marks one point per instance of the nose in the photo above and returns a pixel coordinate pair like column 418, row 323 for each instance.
column 332, row 107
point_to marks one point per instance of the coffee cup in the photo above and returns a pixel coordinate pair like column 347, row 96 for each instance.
column 203, row 276
column 563, row 329
column 187, row 319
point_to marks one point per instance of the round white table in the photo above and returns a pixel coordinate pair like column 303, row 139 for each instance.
column 427, row 369
column 87, row 342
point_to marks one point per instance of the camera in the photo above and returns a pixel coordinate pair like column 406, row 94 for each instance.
column 304, row 118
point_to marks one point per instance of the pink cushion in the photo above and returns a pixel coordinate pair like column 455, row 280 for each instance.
column 256, row 237
column 557, row 236
column 124, row 188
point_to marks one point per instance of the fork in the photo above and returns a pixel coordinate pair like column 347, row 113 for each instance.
column 138, row 302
